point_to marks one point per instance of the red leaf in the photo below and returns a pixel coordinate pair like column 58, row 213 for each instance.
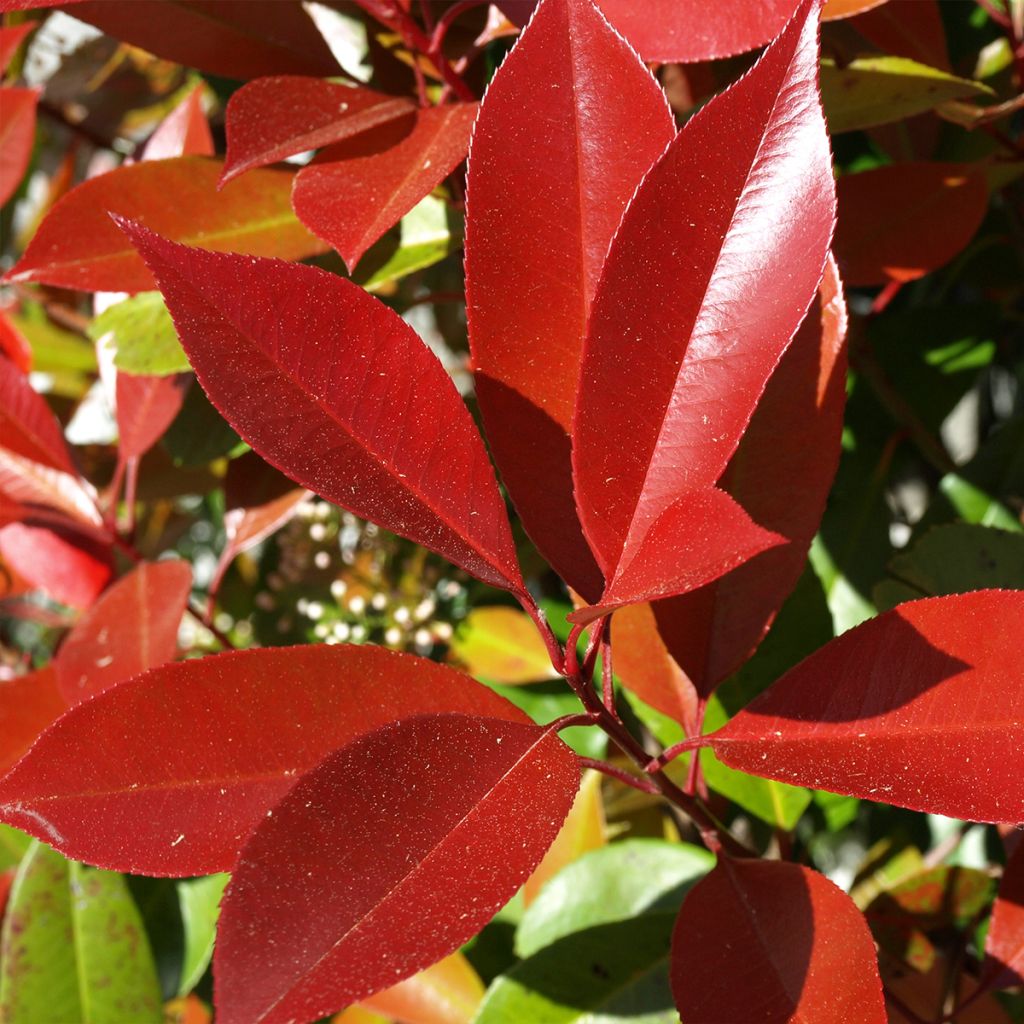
column 337, row 391
column 357, row 189
column 183, row 132
column 13, row 346
column 28, row 704
column 902, row 221
column 131, row 628
column 17, row 133
column 907, row 30
column 33, row 483
column 241, row 39
column 166, row 774
column 27, row 426
column 650, row 439
column 691, row 30
column 781, row 474
column 773, row 942
column 386, row 857
column 1004, row 945
column 79, row 246
column 258, row 500
column 893, row 711
column 11, row 38
column 274, row 118
column 71, row 568
column 569, row 125
column 146, row 406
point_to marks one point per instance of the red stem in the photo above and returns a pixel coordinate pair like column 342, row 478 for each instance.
column 644, row 785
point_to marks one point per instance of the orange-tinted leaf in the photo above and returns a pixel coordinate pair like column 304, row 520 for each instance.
column 502, row 645
column 1004, row 946
column 184, row 132
column 213, row 744
column 357, row 189
column 568, row 127
column 836, row 9
column 385, row 857
column 337, row 391
column 449, row 992
column 27, row 426
column 899, row 222
column 17, row 133
column 28, row 704
column 131, row 628
column 781, row 474
column 274, row 118
column 773, row 942
column 79, row 246
column 926, row 994
column 652, row 438
column 890, row 711
column 146, row 406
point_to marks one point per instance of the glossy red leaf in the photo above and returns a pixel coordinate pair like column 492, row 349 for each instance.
column 146, row 406
column 569, row 125
column 33, row 483
column 386, row 857
column 79, row 246
column 651, row 439
column 899, row 222
column 241, row 39
column 17, row 133
column 11, row 37
column 258, row 501
column 273, row 118
column 781, row 474
column 27, row 426
column 71, row 568
column 212, row 745
column 339, row 393
column 14, row 346
column 131, row 628
column 775, row 943
column 1004, row 945
column 184, row 132
column 357, row 189
column 912, row 708
column 28, row 704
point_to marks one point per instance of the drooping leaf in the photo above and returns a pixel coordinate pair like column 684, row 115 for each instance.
column 340, row 394
column 900, row 720
column 1004, row 944
column 199, row 899
column 781, row 474
column 220, row 739
column 131, row 628
column 73, row 947
column 502, row 645
column 899, row 222
column 142, row 333
column 273, row 118
column 237, row 40
column 394, row 841
column 570, row 124
column 449, row 992
column 185, row 131
column 17, row 134
column 27, row 426
column 355, row 190
column 774, row 942
column 650, row 440
column 146, row 407
column 28, row 704
column 79, row 246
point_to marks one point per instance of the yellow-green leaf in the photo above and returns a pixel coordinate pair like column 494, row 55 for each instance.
column 502, row 645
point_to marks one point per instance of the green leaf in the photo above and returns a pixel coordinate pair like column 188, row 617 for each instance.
column 73, row 947
column 199, row 434
column 611, row 972
column 66, row 358
column 200, row 905
column 141, row 332
column 614, row 883
column 975, row 505
column 839, row 810
column 13, row 845
column 879, row 90
column 544, row 702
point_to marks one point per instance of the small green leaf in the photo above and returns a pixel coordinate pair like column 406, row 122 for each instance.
column 200, row 906
column 839, row 810
column 613, row 883
column 141, row 332
column 73, row 947
column 13, row 845
column 879, row 90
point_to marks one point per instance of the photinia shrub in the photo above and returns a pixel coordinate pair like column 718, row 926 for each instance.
column 610, row 652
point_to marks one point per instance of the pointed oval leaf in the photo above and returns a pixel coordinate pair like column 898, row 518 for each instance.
column 387, row 856
column 141, row 332
column 131, row 628
column 273, row 118
column 357, row 189
column 146, row 407
column 17, row 133
column 79, row 246
column 28, row 704
column 27, row 426
column 199, row 902
column 899, row 222
column 338, row 392
column 219, row 740
column 776, row 943
column 650, row 440
column 569, row 125
column 502, row 645
column 74, row 947
column 1004, row 944
column 892, row 711
column 781, row 474
column 185, row 131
